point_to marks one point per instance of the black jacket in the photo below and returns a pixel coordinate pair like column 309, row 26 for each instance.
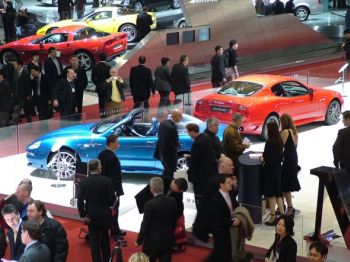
column 278, row 7
column 64, row 5
column 3, row 242
column 111, row 169
column 145, row 195
column 163, row 81
column 54, row 237
column 202, row 163
column 95, row 198
column 158, row 224
column 217, row 68
column 143, row 24
column 221, row 218
column 107, row 87
column 168, row 141
column 99, row 74
column 232, row 57
column 141, row 81
column 23, row 88
column 51, row 70
column 287, row 249
column 5, row 96
column 341, row 149
column 64, row 94
column 16, row 249
column 181, row 79
column 81, row 81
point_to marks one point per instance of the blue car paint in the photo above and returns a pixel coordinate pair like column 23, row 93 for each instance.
column 135, row 153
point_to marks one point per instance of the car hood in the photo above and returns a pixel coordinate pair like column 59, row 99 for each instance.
column 69, row 132
column 23, row 41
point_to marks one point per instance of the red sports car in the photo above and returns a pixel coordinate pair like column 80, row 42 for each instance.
column 263, row 98
column 81, row 40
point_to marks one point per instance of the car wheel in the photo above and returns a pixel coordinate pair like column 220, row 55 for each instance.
column 62, row 164
column 181, row 163
column 8, row 55
column 131, row 32
column 48, row 31
column 182, row 24
column 175, row 4
column 86, row 60
column 333, row 113
column 302, row 12
column 269, row 118
column 138, row 6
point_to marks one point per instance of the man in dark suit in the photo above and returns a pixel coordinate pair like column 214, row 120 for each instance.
column 111, row 168
column 42, row 93
column 203, row 222
column 34, row 251
column 5, row 100
column 23, row 93
column 201, row 162
column 143, row 23
column 65, row 8
column 168, row 144
column 99, row 75
column 222, row 207
column 341, row 147
column 95, row 198
column 141, row 83
column 13, row 220
column 218, row 75
column 64, row 95
column 53, row 69
column 158, row 224
column 80, row 82
column 52, row 233
column 174, row 188
column 182, row 82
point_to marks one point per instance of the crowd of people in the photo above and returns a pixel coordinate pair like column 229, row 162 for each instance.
column 268, row 7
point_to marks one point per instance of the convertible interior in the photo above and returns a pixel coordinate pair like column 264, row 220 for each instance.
column 141, row 129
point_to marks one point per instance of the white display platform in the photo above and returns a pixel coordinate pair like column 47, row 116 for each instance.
column 314, row 149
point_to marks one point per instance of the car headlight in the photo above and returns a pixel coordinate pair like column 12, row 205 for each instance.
column 35, row 145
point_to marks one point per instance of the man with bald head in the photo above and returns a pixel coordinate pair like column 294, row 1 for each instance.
column 168, row 144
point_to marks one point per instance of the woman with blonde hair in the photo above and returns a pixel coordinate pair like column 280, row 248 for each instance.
column 290, row 168
column 138, row 257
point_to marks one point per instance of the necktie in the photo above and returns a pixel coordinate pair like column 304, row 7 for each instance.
column 15, row 232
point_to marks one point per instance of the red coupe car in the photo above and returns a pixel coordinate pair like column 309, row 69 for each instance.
column 85, row 42
column 263, row 98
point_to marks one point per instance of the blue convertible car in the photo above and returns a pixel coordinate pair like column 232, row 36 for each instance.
column 59, row 150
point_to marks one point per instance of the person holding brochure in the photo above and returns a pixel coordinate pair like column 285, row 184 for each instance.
column 232, row 142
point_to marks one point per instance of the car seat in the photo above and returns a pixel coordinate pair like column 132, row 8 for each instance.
column 153, row 130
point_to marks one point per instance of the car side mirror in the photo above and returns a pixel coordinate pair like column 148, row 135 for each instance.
column 311, row 91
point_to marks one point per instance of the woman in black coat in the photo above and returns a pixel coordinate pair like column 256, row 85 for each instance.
column 272, row 171
column 284, row 249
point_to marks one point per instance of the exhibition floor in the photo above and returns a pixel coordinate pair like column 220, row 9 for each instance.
column 314, row 149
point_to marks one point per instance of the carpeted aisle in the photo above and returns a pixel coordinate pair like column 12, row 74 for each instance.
column 80, row 251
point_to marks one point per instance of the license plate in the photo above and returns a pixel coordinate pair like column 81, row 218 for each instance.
column 220, row 109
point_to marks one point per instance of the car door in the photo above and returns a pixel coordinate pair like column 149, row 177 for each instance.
column 281, row 103
column 59, row 40
column 303, row 104
column 102, row 20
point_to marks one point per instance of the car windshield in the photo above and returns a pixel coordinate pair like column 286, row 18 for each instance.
column 84, row 17
column 240, row 88
column 105, row 125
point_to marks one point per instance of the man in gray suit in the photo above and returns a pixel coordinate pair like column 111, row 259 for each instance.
column 34, row 251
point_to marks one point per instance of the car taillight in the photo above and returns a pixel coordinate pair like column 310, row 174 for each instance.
column 109, row 43
column 202, row 106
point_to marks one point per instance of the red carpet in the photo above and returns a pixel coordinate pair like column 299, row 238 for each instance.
column 80, row 251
